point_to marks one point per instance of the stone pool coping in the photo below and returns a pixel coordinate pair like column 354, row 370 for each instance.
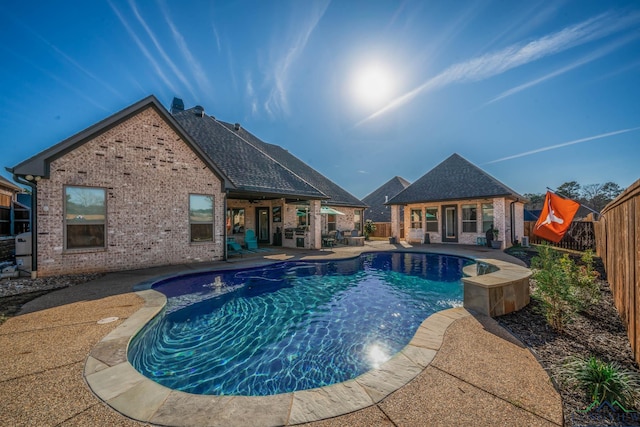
column 115, row 381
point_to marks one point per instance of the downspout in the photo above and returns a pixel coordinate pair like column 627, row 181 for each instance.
column 512, row 219
column 224, row 227
column 34, row 221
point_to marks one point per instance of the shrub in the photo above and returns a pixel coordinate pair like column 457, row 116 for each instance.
column 369, row 228
column 561, row 287
column 602, row 381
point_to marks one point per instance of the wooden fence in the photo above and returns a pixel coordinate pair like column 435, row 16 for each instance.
column 618, row 244
column 580, row 236
column 383, row 229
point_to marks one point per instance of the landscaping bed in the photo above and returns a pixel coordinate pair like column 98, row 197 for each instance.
column 597, row 332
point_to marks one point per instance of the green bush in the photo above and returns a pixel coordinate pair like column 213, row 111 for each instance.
column 602, row 381
column 561, row 287
column 369, row 228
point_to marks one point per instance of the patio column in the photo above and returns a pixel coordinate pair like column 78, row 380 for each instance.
column 395, row 222
column 315, row 232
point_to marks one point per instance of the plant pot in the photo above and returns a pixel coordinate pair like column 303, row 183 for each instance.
column 496, row 244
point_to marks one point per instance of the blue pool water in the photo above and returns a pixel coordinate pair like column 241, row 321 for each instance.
column 294, row 325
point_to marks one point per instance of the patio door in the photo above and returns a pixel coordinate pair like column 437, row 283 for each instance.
column 262, row 232
column 450, row 223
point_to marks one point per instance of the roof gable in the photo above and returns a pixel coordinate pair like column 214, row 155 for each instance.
column 377, row 210
column 38, row 165
column 454, row 179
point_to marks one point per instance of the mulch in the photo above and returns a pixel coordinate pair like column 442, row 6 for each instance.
column 597, row 332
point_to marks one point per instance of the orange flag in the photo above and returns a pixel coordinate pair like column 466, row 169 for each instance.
column 555, row 218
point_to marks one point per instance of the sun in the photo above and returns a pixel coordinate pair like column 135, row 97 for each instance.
column 372, row 84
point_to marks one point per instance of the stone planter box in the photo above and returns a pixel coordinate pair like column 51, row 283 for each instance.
column 498, row 292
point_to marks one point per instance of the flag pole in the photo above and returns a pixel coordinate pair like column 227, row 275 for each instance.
column 584, row 206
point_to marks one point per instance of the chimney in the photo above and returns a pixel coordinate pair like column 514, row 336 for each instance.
column 236, row 126
column 177, row 105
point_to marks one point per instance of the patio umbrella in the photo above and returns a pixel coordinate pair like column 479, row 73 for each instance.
column 328, row 210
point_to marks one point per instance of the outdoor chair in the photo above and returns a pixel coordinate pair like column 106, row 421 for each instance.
column 330, row 239
column 233, row 247
column 250, row 239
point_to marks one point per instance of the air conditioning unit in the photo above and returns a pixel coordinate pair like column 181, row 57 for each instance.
column 525, row 241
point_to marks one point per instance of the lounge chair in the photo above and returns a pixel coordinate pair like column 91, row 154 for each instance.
column 233, row 247
column 250, row 239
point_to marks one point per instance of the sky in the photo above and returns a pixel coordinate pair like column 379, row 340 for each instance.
column 536, row 93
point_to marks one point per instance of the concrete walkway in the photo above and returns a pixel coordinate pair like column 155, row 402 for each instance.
column 480, row 375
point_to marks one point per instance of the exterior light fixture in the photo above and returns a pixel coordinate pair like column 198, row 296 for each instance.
column 29, row 177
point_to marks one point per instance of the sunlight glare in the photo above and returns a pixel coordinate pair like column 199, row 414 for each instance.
column 372, row 84
column 377, row 355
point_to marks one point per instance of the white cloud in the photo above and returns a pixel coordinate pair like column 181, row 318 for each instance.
column 492, row 64
column 279, row 70
column 564, row 144
column 582, row 61
column 143, row 48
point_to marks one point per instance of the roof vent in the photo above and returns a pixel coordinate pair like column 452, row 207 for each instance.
column 177, row 105
column 236, row 126
column 198, row 110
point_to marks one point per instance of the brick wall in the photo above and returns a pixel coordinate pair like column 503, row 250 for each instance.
column 501, row 217
column 148, row 173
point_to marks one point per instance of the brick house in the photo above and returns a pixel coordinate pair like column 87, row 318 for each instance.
column 145, row 187
column 457, row 202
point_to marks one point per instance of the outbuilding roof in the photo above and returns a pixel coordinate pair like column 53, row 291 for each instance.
column 454, row 179
column 377, row 210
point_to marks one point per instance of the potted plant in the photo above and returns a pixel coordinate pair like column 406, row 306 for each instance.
column 369, row 228
column 495, row 243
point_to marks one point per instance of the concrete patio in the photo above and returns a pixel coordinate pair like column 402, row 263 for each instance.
column 477, row 373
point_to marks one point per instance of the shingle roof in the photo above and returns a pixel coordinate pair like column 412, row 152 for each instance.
column 454, row 179
column 250, row 169
column 339, row 196
column 377, row 210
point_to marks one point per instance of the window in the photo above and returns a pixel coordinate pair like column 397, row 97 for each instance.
column 235, row 221
column 331, row 222
column 416, row 218
column 431, row 219
column 357, row 219
column 85, row 217
column 487, row 216
column 469, row 218
column 303, row 216
column 201, row 217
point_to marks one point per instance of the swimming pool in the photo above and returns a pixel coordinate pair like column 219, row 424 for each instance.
column 294, row 325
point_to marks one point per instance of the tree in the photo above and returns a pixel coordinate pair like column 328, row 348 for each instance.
column 570, row 190
column 536, row 200
column 597, row 196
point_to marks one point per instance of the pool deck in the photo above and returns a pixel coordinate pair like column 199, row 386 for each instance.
column 56, row 358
